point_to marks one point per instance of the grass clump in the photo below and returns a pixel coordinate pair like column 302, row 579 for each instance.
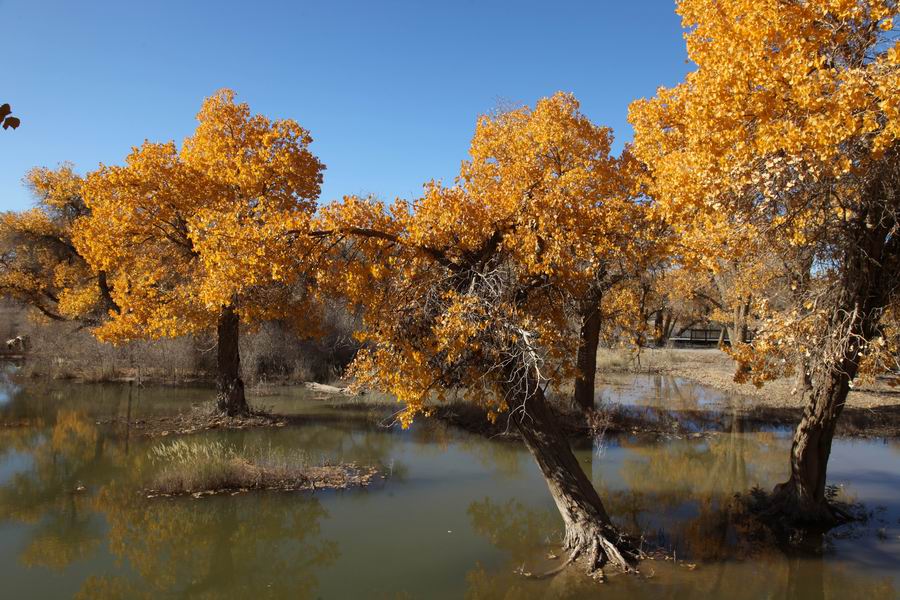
column 193, row 466
column 206, row 467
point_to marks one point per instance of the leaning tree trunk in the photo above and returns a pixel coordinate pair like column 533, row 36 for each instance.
column 870, row 270
column 230, row 400
column 589, row 532
column 586, row 359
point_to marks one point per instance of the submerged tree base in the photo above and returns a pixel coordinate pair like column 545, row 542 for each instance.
column 792, row 522
column 596, row 546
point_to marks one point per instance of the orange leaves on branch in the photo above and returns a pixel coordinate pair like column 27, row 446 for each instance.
column 474, row 287
column 771, row 150
column 185, row 231
column 782, row 92
column 40, row 265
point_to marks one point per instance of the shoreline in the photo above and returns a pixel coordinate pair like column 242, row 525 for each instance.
column 868, row 413
column 712, row 368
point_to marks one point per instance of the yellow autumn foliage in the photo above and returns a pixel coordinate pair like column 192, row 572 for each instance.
column 219, row 221
column 474, row 285
column 40, row 265
column 773, row 146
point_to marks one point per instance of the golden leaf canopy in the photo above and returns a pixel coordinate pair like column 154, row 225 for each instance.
column 184, row 232
column 783, row 143
column 40, row 265
column 472, row 280
column 786, row 97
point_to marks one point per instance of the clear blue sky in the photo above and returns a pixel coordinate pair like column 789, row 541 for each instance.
column 390, row 90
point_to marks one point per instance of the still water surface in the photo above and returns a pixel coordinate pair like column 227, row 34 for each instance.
column 456, row 516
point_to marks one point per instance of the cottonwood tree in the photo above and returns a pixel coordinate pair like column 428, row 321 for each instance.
column 479, row 288
column 789, row 125
column 730, row 271
column 39, row 263
column 675, row 298
column 729, row 274
column 196, row 237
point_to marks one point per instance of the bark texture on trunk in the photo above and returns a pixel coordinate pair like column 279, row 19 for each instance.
column 802, row 379
column 801, row 499
column 589, row 532
column 230, row 399
column 586, row 359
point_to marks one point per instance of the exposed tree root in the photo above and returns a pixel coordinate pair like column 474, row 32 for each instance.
column 595, row 551
column 601, row 548
column 555, row 571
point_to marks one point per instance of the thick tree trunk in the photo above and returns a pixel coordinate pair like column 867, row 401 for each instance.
column 230, row 400
column 668, row 329
column 869, row 273
column 663, row 324
column 589, row 532
column 801, row 499
column 586, row 360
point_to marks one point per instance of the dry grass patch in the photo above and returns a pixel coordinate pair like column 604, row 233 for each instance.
column 207, row 467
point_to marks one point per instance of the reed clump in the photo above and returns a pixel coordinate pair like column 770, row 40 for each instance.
column 205, row 467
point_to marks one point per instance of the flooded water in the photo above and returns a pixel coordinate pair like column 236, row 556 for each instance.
column 457, row 516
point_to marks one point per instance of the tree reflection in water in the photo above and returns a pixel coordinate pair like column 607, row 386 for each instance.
column 267, row 546
column 74, row 485
column 78, row 477
column 519, row 531
column 50, row 493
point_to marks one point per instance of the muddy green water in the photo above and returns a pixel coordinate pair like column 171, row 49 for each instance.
column 456, row 516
